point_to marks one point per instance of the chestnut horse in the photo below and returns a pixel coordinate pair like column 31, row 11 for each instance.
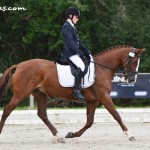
column 39, row 78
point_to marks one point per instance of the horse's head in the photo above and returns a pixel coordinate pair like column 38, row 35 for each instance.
column 131, row 65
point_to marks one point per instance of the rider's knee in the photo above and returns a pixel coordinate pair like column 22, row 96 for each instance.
column 79, row 71
column 82, row 67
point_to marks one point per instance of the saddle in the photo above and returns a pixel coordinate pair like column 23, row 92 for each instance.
column 66, row 72
column 64, row 61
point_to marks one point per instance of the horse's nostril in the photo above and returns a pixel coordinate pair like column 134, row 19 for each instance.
column 131, row 81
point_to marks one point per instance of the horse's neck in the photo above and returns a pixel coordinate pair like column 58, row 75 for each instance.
column 111, row 59
column 108, row 61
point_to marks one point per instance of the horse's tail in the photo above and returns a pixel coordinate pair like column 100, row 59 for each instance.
column 6, row 79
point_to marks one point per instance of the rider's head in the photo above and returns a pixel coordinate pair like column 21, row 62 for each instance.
column 73, row 14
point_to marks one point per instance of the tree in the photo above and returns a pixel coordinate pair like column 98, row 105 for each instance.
column 36, row 31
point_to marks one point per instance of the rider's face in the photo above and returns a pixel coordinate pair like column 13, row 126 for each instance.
column 75, row 19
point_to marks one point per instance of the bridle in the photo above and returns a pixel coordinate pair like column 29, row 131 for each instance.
column 129, row 59
column 127, row 68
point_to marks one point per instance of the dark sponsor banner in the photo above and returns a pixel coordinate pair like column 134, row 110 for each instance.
column 141, row 89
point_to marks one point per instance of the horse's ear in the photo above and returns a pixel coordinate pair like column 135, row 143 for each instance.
column 139, row 51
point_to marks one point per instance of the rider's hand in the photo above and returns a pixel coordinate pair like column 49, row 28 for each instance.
column 83, row 58
column 88, row 57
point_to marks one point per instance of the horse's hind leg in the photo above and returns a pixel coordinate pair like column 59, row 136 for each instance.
column 8, row 109
column 109, row 105
column 41, row 100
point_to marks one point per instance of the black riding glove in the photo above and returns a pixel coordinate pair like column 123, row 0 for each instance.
column 83, row 58
column 88, row 57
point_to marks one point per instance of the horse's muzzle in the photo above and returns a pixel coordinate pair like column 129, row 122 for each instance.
column 131, row 80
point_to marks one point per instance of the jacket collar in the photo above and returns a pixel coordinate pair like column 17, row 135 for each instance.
column 71, row 23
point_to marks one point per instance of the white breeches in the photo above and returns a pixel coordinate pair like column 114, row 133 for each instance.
column 77, row 61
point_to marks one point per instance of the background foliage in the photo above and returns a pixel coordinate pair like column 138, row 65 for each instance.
column 36, row 31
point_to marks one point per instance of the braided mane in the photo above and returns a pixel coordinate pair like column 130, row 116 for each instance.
column 111, row 48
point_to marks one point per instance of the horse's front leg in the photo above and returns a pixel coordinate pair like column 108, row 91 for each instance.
column 91, row 106
column 109, row 105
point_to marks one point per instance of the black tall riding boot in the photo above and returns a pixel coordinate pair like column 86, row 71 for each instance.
column 77, row 92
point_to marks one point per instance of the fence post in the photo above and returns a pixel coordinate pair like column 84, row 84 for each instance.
column 31, row 102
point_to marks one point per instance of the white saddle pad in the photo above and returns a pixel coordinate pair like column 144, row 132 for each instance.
column 66, row 79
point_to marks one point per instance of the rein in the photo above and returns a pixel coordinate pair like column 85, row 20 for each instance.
column 102, row 65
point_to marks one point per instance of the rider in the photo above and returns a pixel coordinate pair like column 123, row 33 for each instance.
column 74, row 49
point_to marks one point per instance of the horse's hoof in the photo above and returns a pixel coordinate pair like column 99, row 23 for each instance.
column 61, row 140
column 56, row 139
column 130, row 135
column 69, row 135
column 132, row 138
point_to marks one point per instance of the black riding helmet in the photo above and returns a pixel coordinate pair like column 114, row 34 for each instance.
column 72, row 11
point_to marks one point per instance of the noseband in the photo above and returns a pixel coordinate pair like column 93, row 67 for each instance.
column 129, row 59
